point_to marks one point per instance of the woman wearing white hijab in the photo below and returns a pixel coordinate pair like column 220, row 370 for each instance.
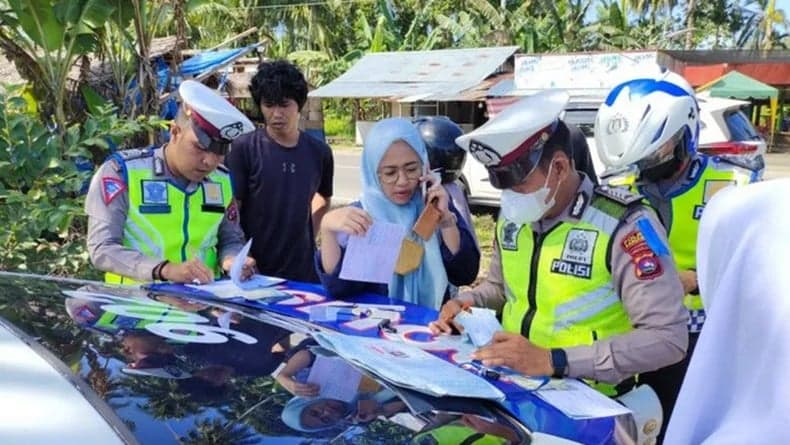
column 737, row 390
column 393, row 161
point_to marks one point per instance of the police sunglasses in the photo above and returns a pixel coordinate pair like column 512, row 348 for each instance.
column 514, row 173
column 219, row 147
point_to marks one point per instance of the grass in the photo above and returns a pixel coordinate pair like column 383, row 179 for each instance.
column 484, row 221
column 343, row 144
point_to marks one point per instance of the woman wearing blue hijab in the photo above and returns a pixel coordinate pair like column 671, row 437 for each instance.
column 393, row 161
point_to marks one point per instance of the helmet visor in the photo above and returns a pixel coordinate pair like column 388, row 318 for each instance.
column 664, row 154
column 513, row 174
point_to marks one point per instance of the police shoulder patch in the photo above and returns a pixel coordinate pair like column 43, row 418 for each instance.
column 621, row 195
column 647, row 265
column 232, row 212
column 110, row 188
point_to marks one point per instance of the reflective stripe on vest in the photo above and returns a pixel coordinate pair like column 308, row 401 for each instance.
column 568, row 299
column 163, row 221
column 687, row 209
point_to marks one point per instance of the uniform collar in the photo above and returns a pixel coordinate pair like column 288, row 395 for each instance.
column 166, row 173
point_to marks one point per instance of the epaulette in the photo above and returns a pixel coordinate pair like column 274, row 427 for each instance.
column 223, row 169
column 134, row 153
column 620, row 195
column 751, row 164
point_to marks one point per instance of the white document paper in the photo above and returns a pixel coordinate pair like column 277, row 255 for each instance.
column 579, row 401
column 336, row 379
column 227, row 289
column 409, row 366
column 254, row 282
column 258, row 281
column 371, row 258
column 238, row 264
column 480, row 325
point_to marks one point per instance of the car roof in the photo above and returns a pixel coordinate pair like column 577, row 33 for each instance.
column 711, row 104
column 163, row 368
column 31, row 388
column 706, row 102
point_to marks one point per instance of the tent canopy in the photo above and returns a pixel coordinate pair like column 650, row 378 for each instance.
column 740, row 86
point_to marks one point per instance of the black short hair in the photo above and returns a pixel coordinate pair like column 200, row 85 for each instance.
column 560, row 140
column 569, row 139
column 277, row 81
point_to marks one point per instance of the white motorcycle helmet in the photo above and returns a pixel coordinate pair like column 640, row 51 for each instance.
column 648, row 125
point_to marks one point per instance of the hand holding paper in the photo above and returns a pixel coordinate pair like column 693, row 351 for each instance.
column 371, row 258
column 243, row 266
column 242, row 271
column 479, row 325
column 516, row 352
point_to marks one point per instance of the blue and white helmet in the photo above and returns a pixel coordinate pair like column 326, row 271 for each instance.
column 639, row 119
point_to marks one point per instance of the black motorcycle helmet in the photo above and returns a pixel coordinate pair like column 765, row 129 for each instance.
column 439, row 133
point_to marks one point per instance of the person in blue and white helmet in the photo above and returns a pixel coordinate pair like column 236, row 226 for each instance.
column 649, row 127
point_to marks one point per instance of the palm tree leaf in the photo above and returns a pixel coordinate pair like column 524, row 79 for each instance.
column 488, row 11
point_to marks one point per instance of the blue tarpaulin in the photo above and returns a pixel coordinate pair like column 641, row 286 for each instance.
column 193, row 67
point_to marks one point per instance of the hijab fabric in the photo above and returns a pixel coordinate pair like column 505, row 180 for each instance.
column 426, row 285
column 736, row 390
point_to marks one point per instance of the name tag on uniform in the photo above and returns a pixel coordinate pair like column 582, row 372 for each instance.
column 577, row 254
column 155, row 198
column 212, row 194
column 213, row 197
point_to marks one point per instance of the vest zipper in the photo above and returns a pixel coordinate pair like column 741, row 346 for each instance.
column 526, row 323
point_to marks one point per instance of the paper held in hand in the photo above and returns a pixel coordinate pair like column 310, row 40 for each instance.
column 257, row 287
column 371, row 258
column 254, row 282
column 480, row 325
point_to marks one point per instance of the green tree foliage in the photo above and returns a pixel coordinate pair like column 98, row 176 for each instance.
column 40, row 184
column 47, row 37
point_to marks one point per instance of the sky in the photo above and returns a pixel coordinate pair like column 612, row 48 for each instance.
column 783, row 4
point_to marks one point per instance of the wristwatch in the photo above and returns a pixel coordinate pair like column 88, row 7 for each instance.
column 559, row 362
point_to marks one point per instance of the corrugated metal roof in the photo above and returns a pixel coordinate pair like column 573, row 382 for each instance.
column 409, row 76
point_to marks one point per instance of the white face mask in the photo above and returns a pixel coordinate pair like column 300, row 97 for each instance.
column 526, row 208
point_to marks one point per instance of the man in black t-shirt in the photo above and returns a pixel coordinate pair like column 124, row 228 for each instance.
column 282, row 177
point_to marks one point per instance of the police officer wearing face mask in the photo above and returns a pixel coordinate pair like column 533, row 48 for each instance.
column 659, row 148
column 581, row 276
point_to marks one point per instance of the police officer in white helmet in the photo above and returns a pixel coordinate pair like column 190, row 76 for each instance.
column 648, row 129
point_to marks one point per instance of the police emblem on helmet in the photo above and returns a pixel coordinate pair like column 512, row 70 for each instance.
column 232, row 131
column 618, row 124
column 483, row 153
